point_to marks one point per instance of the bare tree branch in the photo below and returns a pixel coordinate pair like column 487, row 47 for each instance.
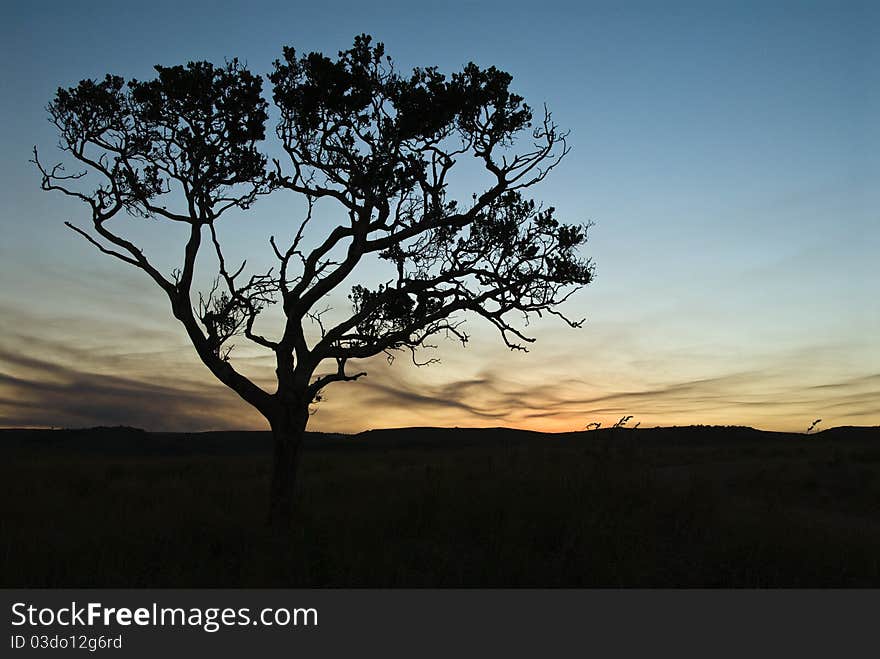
column 377, row 150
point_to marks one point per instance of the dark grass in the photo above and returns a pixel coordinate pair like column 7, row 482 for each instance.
column 678, row 507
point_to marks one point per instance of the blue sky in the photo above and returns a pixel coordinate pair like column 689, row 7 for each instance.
column 727, row 152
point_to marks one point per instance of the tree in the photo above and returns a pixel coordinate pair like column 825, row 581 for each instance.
column 355, row 134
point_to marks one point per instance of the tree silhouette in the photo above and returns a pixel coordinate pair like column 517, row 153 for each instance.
column 355, row 134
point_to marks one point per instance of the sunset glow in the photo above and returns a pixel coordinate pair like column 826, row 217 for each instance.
column 731, row 175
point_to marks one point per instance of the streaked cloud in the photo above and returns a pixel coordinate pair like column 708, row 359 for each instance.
column 40, row 392
column 49, row 394
column 77, row 371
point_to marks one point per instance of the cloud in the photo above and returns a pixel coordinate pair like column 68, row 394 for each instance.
column 450, row 396
column 763, row 398
column 75, row 373
column 57, row 395
column 853, row 383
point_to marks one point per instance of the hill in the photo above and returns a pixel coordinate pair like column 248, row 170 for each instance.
column 673, row 507
column 123, row 440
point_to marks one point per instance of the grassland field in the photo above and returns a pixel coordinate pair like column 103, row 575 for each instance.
column 665, row 507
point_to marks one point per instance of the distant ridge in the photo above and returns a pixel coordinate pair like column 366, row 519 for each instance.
column 125, row 440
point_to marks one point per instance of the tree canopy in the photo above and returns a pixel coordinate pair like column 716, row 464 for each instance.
column 353, row 132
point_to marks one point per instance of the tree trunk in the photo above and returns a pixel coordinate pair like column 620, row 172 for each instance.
column 288, row 429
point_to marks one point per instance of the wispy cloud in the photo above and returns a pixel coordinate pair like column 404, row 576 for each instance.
column 72, row 373
column 48, row 393
column 761, row 398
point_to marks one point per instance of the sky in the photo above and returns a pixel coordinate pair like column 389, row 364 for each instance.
column 727, row 153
